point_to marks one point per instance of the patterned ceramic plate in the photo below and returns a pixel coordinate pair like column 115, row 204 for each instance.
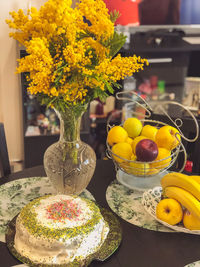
column 193, row 264
column 16, row 194
column 150, row 200
column 109, row 246
column 127, row 204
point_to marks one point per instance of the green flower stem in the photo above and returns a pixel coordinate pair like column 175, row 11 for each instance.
column 70, row 121
column 69, row 128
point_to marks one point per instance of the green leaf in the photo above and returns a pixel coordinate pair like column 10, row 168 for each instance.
column 60, row 68
column 95, row 94
column 109, row 87
column 51, row 102
column 116, row 43
column 114, row 15
column 117, row 85
column 60, row 105
column 85, row 34
column 98, row 93
column 103, row 96
column 58, row 78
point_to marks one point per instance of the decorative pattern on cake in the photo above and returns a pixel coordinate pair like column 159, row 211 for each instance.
column 62, row 210
column 58, row 229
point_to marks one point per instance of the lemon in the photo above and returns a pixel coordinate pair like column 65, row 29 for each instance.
column 139, row 168
column 133, row 126
column 152, row 171
column 133, row 157
column 125, row 165
column 123, row 150
column 129, row 140
column 117, row 134
column 162, row 154
column 149, row 131
column 136, row 140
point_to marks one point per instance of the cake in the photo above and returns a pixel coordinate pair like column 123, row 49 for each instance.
column 59, row 229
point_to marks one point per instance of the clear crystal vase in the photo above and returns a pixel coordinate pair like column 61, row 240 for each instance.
column 70, row 163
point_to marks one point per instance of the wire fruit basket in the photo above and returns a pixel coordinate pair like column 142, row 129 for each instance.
column 144, row 175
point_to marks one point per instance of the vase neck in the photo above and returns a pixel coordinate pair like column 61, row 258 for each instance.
column 70, row 123
column 70, row 130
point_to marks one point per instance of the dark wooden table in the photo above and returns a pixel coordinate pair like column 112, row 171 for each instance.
column 140, row 247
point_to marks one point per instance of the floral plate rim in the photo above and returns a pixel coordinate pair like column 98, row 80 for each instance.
column 150, row 199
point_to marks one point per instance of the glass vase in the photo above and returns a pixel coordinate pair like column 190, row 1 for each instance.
column 70, row 163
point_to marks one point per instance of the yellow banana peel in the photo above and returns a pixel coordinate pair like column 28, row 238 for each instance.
column 183, row 181
column 195, row 178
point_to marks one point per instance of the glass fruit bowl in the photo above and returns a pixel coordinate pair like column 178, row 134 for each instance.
column 139, row 174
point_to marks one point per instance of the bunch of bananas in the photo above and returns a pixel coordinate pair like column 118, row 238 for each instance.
column 186, row 191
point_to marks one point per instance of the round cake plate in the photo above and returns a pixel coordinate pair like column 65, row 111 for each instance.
column 109, row 246
column 139, row 183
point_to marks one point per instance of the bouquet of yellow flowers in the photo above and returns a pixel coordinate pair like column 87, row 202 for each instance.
column 71, row 52
column 71, row 60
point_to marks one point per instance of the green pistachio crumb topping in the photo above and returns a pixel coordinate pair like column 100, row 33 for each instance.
column 28, row 219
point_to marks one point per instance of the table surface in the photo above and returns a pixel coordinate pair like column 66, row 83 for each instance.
column 140, row 247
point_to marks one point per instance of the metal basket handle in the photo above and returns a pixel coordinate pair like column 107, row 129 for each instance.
column 184, row 153
column 127, row 96
column 144, row 104
column 178, row 122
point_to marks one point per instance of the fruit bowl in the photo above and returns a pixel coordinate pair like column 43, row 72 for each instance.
column 150, row 199
column 130, row 172
column 145, row 169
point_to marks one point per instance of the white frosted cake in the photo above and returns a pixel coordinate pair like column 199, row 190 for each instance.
column 58, row 229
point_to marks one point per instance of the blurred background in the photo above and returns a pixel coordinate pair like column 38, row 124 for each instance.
column 166, row 32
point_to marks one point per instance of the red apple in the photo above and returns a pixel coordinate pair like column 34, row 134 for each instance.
column 146, row 150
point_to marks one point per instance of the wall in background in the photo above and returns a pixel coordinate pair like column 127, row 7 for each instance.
column 10, row 89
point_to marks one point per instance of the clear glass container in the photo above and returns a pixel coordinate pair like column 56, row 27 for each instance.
column 70, row 163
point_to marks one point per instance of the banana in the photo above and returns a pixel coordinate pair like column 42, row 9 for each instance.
column 195, row 178
column 183, row 181
column 185, row 198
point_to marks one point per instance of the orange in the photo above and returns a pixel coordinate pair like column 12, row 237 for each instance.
column 170, row 211
column 116, row 134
